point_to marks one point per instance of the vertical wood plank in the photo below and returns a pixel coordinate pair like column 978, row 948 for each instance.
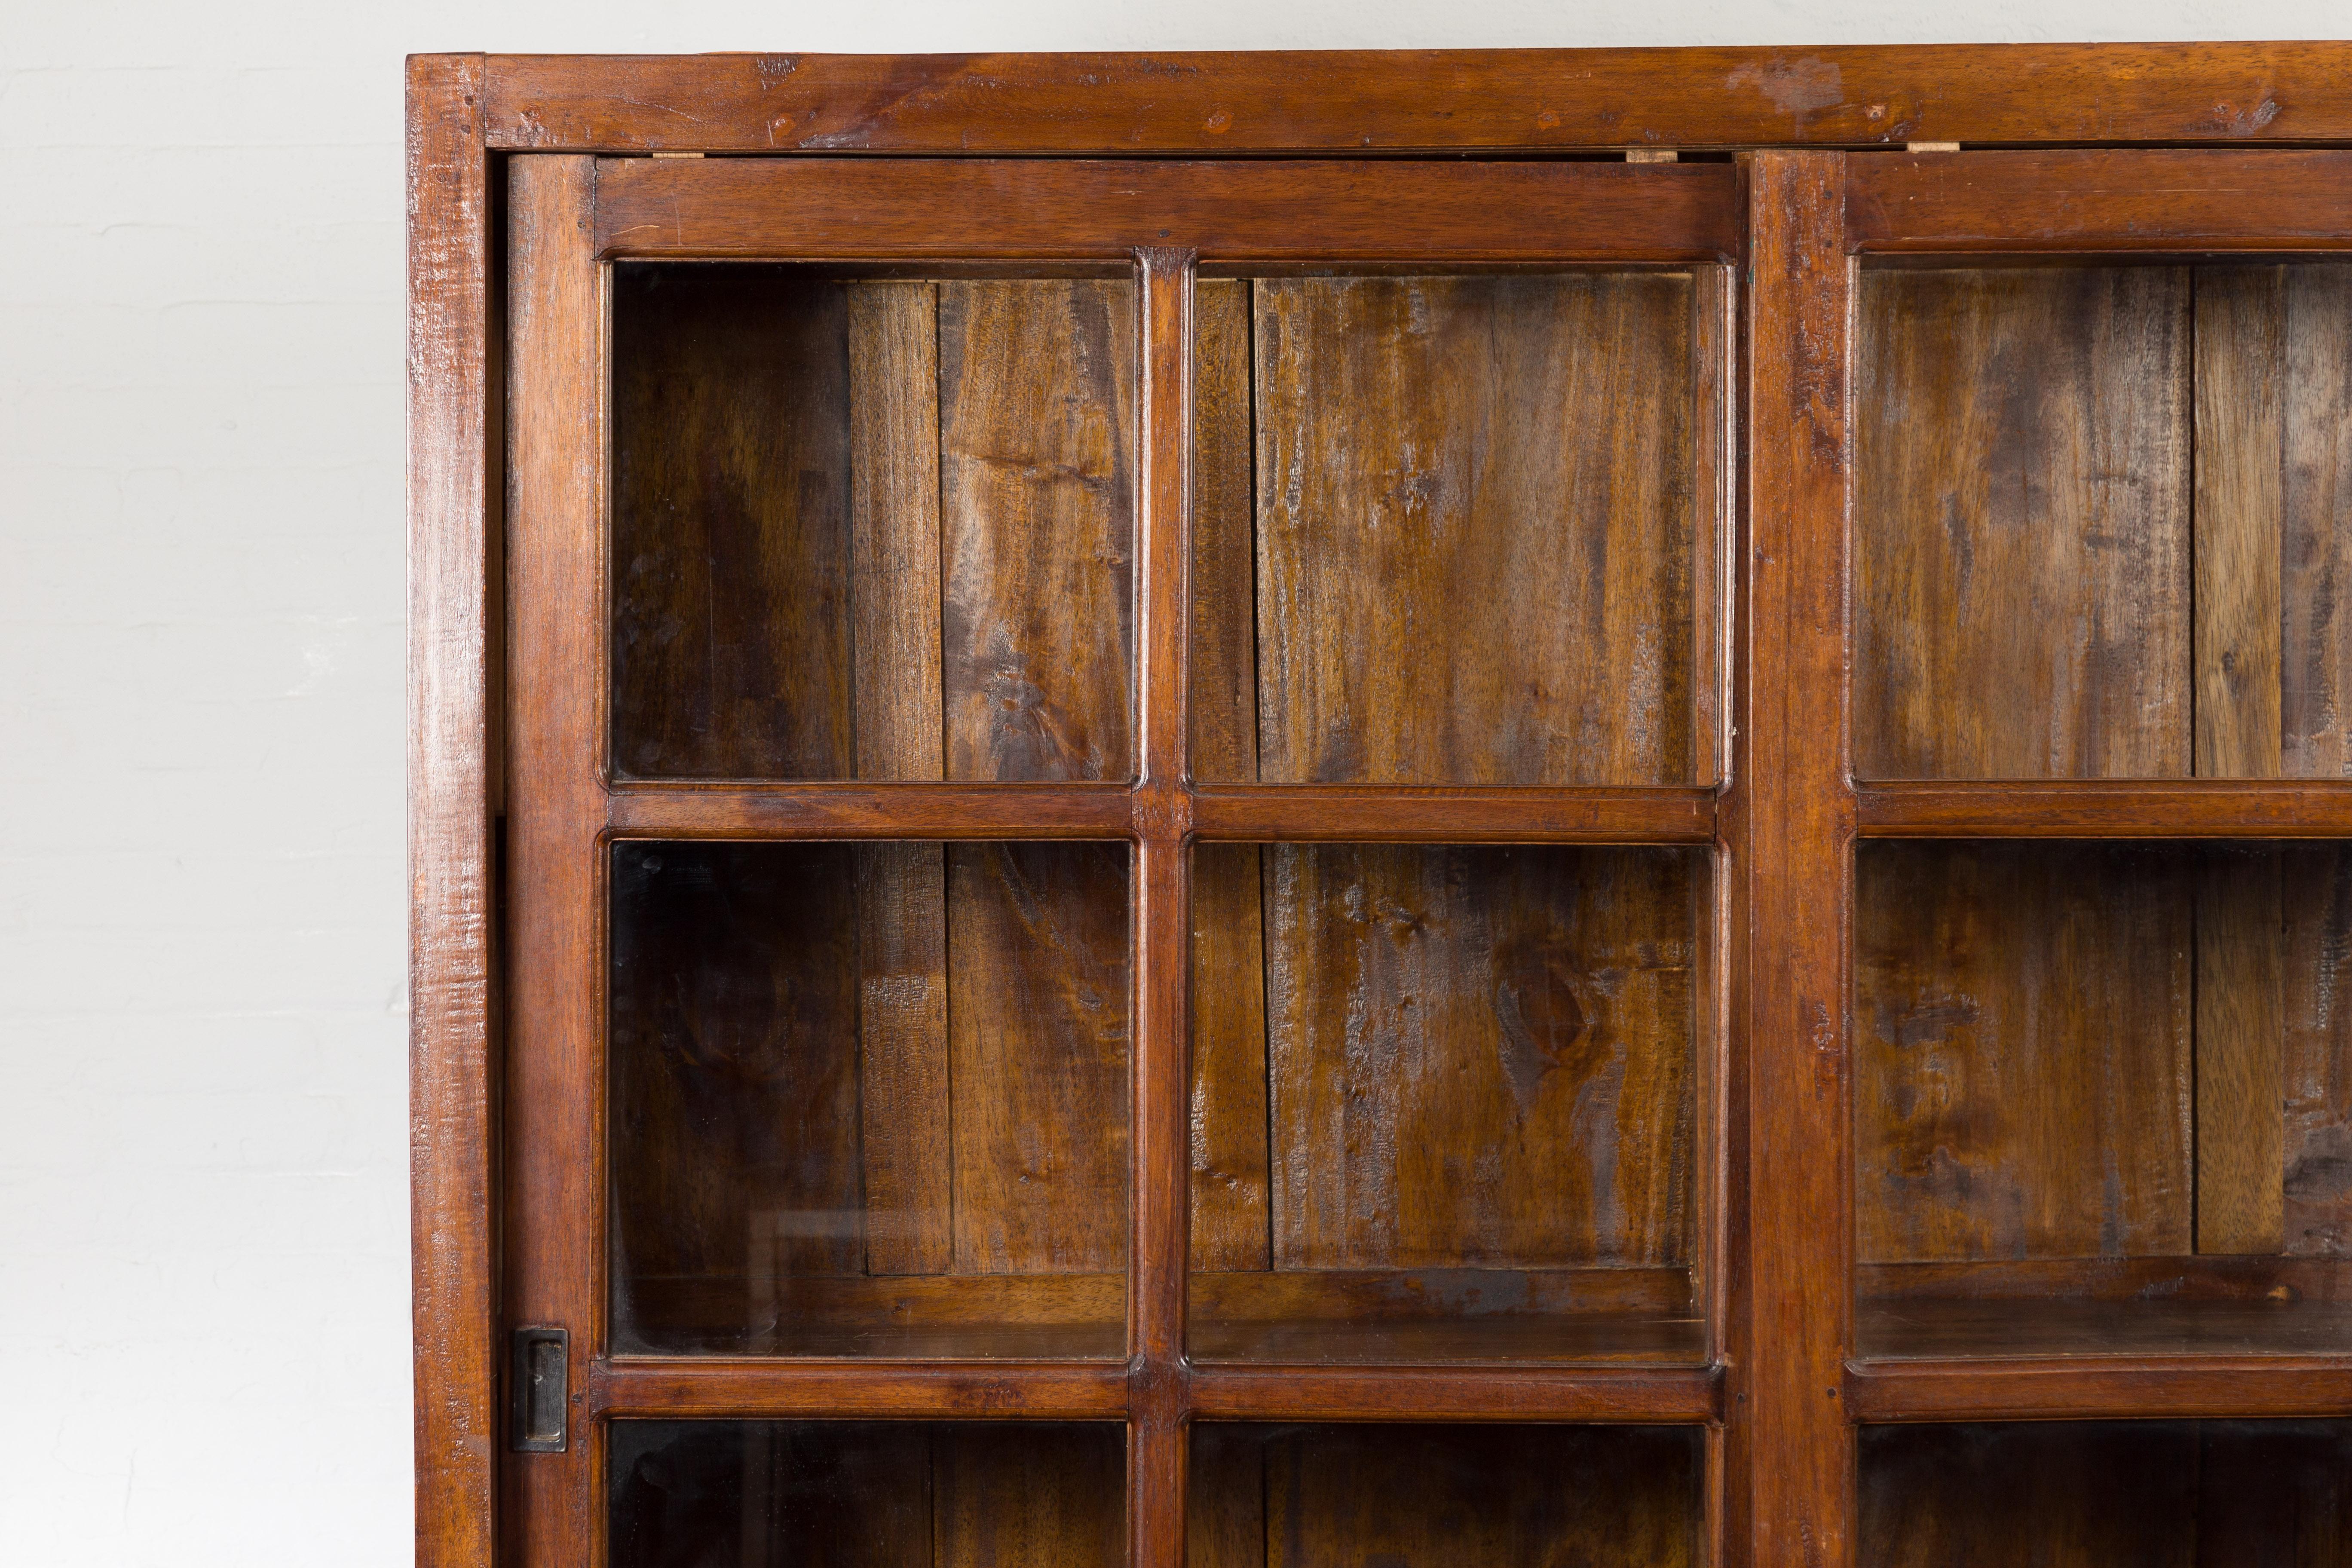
column 2315, row 1072
column 730, row 524
column 2023, row 598
column 454, row 1268
column 1037, row 504
column 1225, row 1511
column 1228, row 1092
column 1794, row 895
column 2241, row 1040
column 1228, row 1122
column 2240, row 435
column 1475, row 506
column 894, row 514
column 2065, row 1495
column 2025, row 1045
column 2315, row 524
column 1715, row 469
column 553, row 1169
column 902, row 1017
column 1037, row 1039
column 1480, row 1056
column 1035, row 1497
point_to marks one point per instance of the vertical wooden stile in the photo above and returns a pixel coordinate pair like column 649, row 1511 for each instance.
column 556, row 1080
column 1797, row 805
column 1158, row 1423
column 453, row 775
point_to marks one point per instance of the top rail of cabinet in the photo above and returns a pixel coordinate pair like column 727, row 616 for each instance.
column 1391, row 103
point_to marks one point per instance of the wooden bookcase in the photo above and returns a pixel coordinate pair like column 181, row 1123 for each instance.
column 1484, row 808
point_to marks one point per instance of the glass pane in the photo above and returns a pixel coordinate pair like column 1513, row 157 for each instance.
column 861, row 1494
column 2102, row 514
column 2104, row 1099
column 1445, row 1497
column 869, row 1099
column 871, row 527
column 2165, row 1494
column 1457, row 529
column 1445, row 1102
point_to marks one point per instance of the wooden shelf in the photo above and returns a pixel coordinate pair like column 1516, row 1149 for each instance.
column 2105, row 808
column 750, row 1388
column 1524, row 816
column 1583, row 1338
column 1445, row 1394
column 2149, row 1387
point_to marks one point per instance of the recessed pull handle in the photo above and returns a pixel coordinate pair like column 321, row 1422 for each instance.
column 543, row 1384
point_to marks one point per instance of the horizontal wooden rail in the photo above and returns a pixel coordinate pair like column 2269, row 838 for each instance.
column 2107, row 809
column 748, row 1388
column 1525, row 1392
column 862, row 209
column 871, row 811
column 1353, row 812
column 2118, row 200
column 2075, row 1389
column 1381, row 103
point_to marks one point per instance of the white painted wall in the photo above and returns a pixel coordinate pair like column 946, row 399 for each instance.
column 204, row 1330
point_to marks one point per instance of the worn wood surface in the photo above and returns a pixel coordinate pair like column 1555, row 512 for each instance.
column 454, row 689
column 2024, row 1018
column 2240, row 1051
column 1037, row 1041
column 1381, row 102
column 1032, row 1498
column 2273, row 502
column 1287, row 211
column 2142, row 1385
column 2314, row 1077
column 1037, row 505
column 732, row 490
column 1470, row 1495
column 2022, row 512
column 1475, row 508
column 1479, row 1056
column 2106, row 808
column 553, row 1228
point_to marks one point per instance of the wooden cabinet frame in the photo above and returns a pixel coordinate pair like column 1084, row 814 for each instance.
column 1176, row 161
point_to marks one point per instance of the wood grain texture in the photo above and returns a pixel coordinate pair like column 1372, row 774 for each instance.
column 1479, row 1056
column 1037, row 504
column 742, row 1388
column 904, row 1094
column 894, row 517
column 452, row 529
column 1381, row 103
column 1791, row 1490
column 1358, row 814
column 554, row 1218
column 2077, row 202
column 1038, row 1036
column 1469, row 1495
column 731, row 524
column 879, row 811
column 1475, row 506
column 1228, row 1122
column 2024, row 1051
column 1032, row 1498
column 2069, row 1388
column 2102, row 808
column 735, row 1078
column 1223, row 650
column 2315, row 1070
column 1316, row 213
column 2023, row 606
column 2240, row 1050
column 2274, row 512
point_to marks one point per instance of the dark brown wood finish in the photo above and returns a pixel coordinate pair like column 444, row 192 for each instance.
column 1234, row 212
column 1796, row 890
column 947, row 427
column 1386, row 103
column 453, row 697
column 553, row 1167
